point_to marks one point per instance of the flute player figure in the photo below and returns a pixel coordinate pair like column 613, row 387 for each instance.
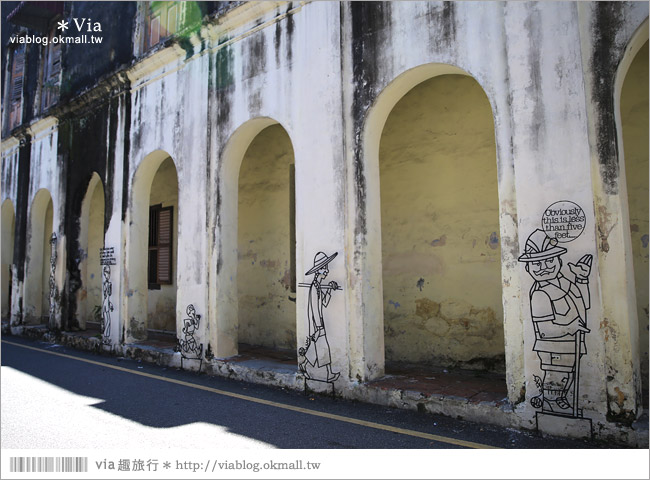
column 558, row 308
column 317, row 351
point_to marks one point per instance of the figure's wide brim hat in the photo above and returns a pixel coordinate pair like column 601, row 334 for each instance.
column 320, row 260
column 540, row 246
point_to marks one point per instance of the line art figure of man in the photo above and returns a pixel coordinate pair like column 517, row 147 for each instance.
column 53, row 289
column 558, row 308
column 189, row 348
column 317, row 351
column 107, row 307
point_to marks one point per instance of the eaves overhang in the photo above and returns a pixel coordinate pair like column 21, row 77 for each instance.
column 35, row 15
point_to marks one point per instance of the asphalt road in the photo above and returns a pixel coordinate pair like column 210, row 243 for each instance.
column 81, row 400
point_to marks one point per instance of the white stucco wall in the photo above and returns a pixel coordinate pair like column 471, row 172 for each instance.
column 46, row 182
column 330, row 74
column 172, row 99
column 441, row 259
column 264, row 79
column 8, row 233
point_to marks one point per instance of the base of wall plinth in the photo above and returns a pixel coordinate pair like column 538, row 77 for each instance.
column 564, row 426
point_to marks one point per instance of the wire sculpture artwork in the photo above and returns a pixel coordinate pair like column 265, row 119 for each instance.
column 188, row 347
column 106, row 259
column 558, row 308
column 53, row 289
column 107, row 305
column 317, row 359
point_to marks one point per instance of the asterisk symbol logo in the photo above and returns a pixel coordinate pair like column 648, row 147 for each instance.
column 167, row 465
column 62, row 25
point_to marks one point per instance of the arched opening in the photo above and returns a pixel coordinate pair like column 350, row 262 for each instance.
column 162, row 246
column 634, row 121
column 37, row 281
column 151, row 255
column 440, row 233
column 8, row 232
column 91, row 240
column 266, row 273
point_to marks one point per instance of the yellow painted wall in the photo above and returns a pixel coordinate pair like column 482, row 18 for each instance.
column 440, row 227
column 634, row 116
column 266, row 314
column 93, row 283
column 162, row 303
column 8, row 229
column 47, row 255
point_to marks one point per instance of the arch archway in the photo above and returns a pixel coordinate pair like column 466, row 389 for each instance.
column 8, row 233
column 37, row 289
column 266, row 276
column 152, row 246
column 91, row 239
column 633, row 131
column 368, row 302
column 254, row 277
column 441, row 255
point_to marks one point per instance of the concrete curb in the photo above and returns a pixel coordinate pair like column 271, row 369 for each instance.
column 502, row 414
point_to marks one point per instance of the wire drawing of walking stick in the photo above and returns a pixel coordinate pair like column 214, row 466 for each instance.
column 323, row 287
column 576, row 374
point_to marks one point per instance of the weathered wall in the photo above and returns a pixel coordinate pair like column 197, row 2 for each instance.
column 82, row 66
column 46, row 182
column 270, row 77
column 47, row 255
column 267, row 307
column 610, row 34
column 15, row 179
column 91, row 239
column 330, row 74
column 94, row 117
column 634, row 117
column 161, row 125
column 8, row 232
column 161, row 307
column 35, row 279
column 387, row 57
column 440, row 227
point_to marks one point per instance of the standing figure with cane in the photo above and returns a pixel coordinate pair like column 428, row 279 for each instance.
column 317, row 350
column 558, row 309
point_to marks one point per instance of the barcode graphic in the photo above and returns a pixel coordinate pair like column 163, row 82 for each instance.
column 48, row 464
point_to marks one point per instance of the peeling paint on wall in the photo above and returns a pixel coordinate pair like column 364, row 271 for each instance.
column 438, row 174
column 267, row 316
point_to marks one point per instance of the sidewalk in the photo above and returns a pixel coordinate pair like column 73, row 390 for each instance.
column 462, row 394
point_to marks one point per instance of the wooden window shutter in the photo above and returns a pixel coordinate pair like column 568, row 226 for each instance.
column 51, row 74
column 161, row 237
column 56, row 59
column 17, row 78
column 154, row 29
column 172, row 20
column 165, row 239
column 152, row 273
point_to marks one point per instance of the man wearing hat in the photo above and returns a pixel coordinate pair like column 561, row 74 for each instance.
column 317, row 352
column 558, row 308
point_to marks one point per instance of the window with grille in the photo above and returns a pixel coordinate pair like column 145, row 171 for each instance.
column 162, row 21
column 16, row 86
column 51, row 73
column 161, row 229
